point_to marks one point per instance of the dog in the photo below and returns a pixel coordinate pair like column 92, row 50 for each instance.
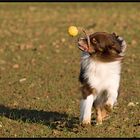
column 102, row 54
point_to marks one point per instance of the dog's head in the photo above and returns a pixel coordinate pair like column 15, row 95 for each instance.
column 104, row 45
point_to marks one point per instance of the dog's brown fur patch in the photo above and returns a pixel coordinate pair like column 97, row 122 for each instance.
column 87, row 90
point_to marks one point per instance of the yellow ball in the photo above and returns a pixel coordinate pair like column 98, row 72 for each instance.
column 73, row 31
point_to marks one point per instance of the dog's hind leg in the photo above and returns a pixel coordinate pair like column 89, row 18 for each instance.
column 99, row 118
column 101, row 114
column 99, row 103
column 105, row 114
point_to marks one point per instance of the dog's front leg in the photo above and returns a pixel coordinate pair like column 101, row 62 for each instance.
column 86, row 105
column 85, row 109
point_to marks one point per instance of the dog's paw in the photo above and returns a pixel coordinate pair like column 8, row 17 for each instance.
column 99, row 122
column 85, row 122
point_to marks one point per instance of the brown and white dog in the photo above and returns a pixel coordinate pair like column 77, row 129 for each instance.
column 102, row 54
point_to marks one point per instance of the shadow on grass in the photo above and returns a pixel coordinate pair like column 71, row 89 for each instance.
column 54, row 120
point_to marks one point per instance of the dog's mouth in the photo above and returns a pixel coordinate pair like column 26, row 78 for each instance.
column 81, row 43
column 82, row 48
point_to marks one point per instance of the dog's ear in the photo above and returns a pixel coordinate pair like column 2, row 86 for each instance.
column 114, row 34
column 121, row 42
column 123, row 45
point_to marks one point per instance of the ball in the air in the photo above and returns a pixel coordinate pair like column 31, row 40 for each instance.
column 73, row 31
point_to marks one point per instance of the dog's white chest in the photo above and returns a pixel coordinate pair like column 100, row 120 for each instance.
column 101, row 75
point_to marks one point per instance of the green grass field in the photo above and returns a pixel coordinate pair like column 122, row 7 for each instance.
column 39, row 68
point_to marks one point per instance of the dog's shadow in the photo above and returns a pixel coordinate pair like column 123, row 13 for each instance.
column 54, row 120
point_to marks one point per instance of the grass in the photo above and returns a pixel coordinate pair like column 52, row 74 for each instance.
column 39, row 67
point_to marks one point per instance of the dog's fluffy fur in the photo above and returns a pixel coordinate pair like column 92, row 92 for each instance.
column 100, row 74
